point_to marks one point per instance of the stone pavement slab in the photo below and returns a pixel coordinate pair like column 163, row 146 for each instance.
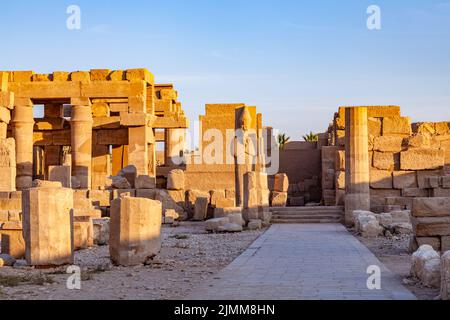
column 302, row 262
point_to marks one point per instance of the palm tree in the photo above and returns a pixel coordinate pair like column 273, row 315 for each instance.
column 311, row 137
column 282, row 140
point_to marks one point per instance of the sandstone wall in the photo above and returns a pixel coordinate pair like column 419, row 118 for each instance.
column 402, row 157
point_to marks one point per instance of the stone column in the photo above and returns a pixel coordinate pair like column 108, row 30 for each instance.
column 138, row 149
column 174, row 146
column 152, row 159
column 357, row 191
column 81, row 137
column 22, row 124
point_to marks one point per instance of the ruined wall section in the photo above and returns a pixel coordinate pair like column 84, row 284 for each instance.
column 406, row 160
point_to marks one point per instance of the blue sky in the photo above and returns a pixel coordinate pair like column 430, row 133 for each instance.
column 296, row 60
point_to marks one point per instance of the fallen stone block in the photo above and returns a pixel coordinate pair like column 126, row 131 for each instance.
column 201, row 209
column 135, row 230
column 119, row 182
column 6, row 260
column 83, row 233
column 281, row 183
column 426, row 266
column 367, row 224
column 145, row 182
column 225, row 212
column 101, row 231
column 230, row 228
column 47, row 220
column 130, row 174
column 254, row 224
column 279, row 199
column 445, row 276
column 213, row 225
column 236, row 218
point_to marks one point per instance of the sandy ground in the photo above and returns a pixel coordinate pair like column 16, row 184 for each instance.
column 189, row 256
column 395, row 255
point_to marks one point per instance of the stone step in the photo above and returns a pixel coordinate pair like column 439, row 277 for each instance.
column 307, row 212
column 309, row 216
column 306, row 221
column 339, row 208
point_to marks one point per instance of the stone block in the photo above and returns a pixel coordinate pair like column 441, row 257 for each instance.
column 397, row 126
column 422, row 159
column 340, row 180
column 201, row 209
column 217, row 195
column 431, row 226
column 434, row 242
column 405, row 179
column 100, row 198
column 388, row 144
column 297, row 201
column 254, row 224
column 120, row 182
column 101, row 231
column 281, row 182
column 439, row 193
column 224, row 212
column 340, row 160
column 176, row 180
column 251, row 198
column 213, row 225
column 119, row 193
column 279, row 199
column 431, row 207
column 146, row 193
column 12, row 241
column 83, row 233
column 129, row 173
column 374, row 126
column 381, row 179
column 404, row 202
column 145, row 182
column 61, row 174
column 386, row 160
column 445, row 276
column 47, row 221
column 415, row 192
column 423, row 177
column 225, row 203
column 445, row 244
column 7, row 165
column 135, row 230
column 445, row 182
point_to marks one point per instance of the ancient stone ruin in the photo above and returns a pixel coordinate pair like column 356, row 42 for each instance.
column 87, row 171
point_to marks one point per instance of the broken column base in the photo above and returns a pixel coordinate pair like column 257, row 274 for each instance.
column 359, row 201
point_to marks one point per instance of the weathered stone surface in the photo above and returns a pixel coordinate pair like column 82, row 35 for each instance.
column 83, row 233
column 12, row 241
column 145, row 182
column 100, row 198
column 129, row 173
column 236, row 218
column 431, row 207
column 191, row 198
column 440, row 193
column 422, row 159
column 135, row 230
column 423, row 177
column 279, row 199
column 119, row 182
column 385, row 160
column 254, row 224
column 445, row 276
column 445, row 243
column 381, row 179
column 101, row 231
column 431, row 226
column 176, row 180
column 62, row 174
column 414, row 192
column 224, row 212
column 230, row 227
column 217, row 196
column 445, row 182
column 46, row 184
column 213, row 225
column 405, row 179
column 434, row 242
column 367, row 224
column 6, row 260
column 388, row 144
column 168, row 201
column 7, row 164
column 201, row 209
column 426, row 265
column 281, row 183
column 397, row 126
column 47, row 226
column 417, row 141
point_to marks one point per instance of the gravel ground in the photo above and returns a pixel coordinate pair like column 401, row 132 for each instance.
column 189, row 256
column 394, row 253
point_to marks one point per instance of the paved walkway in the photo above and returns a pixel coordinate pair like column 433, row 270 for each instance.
column 302, row 261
